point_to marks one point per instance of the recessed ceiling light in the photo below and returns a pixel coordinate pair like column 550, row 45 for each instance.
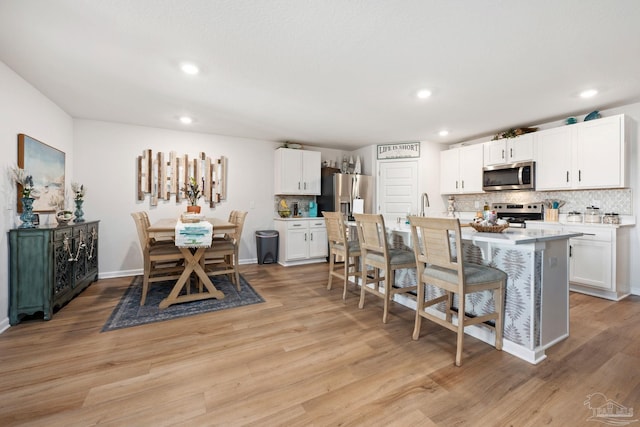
column 423, row 93
column 186, row 120
column 189, row 68
column 588, row 93
column 443, row 133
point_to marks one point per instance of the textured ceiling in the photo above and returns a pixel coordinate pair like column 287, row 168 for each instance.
column 334, row 73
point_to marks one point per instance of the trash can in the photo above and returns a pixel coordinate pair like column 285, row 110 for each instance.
column 267, row 246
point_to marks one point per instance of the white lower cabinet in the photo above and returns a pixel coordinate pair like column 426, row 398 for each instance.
column 598, row 260
column 302, row 241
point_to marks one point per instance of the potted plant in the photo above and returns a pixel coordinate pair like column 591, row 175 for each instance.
column 192, row 192
column 78, row 196
column 25, row 185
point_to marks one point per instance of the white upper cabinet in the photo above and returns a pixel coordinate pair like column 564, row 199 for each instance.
column 297, row 172
column 461, row 170
column 554, row 158
column 509, row 150
column 586, row 155
column 601, row 153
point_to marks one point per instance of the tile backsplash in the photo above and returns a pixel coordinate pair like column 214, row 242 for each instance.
column 302, row 201
column 617, row 200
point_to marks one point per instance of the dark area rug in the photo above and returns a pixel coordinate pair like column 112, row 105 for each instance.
column 129, row 312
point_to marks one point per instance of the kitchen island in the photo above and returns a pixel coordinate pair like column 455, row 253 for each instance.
column 537, row 295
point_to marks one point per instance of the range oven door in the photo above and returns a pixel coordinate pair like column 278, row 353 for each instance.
column 514, row 176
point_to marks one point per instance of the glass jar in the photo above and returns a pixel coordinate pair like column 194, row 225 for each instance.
column 574, row 216
column 611, row 218
column 593, row 215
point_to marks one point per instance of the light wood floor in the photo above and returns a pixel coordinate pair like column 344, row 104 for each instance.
column 304, row 358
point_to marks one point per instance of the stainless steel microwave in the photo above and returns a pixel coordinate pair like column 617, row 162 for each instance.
column 514, row 176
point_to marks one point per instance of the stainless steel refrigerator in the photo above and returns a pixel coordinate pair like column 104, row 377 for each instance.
column 345, row 192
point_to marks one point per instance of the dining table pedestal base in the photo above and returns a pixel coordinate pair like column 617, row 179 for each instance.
column 192, row 265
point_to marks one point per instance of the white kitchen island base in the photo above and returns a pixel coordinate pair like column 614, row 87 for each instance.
column 537, row 295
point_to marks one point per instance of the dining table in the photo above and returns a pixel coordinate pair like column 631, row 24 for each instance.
column 165, row 229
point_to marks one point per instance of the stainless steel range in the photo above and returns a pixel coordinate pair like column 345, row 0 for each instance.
column 517, row 214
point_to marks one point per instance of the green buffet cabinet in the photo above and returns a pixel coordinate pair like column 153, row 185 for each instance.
column 49, row 265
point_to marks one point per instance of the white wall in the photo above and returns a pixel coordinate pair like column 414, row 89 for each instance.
column 106, row 164
column 24, row 110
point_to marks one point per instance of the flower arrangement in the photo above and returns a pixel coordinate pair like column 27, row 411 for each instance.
column 26, row 181
column 192, row 191
column 78, row 191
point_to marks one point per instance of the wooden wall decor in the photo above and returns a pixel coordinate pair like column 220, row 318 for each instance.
column 161, row 176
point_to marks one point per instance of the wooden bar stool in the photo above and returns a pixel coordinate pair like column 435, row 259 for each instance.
column 441, row 266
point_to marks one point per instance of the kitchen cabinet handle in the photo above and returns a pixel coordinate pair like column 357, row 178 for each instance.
column 510, row 152
column 502, row 154
column 570, row 250
column 297, row 225
column 312, row 237
column 579, row 175
column 463, row 184
column 305, row 237
column 456, row 184
column 305, row 185
column 298, row 185
column 567, row 176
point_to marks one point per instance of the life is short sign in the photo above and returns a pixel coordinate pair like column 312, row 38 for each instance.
column 404, row 150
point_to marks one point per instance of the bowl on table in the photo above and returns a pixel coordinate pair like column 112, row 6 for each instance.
column 63, row 217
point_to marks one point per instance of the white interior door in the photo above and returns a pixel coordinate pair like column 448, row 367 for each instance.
column 397, row 189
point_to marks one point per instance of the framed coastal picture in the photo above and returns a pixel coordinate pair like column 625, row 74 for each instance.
column 46, row 165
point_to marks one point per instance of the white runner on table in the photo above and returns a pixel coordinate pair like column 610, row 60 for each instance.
column 194, row 234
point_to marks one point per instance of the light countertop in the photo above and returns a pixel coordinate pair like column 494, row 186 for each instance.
column 510, row 236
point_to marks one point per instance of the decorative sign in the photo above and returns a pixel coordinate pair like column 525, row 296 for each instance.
column 160, row 176
column 403, row 150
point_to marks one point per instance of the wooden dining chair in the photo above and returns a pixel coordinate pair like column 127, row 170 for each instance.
column 341, row 246
column 438, row 249
column 375, row 252
column 162, row 261
column 222, row 257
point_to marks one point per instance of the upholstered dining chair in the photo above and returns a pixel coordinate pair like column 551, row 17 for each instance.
column 340, row 245
column 375, row 252
column 222, row 257
column 438, row 249
column 162, row 261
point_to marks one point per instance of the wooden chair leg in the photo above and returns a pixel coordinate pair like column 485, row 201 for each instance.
column 145, row 282
column 388, row 293
column 235, row 265
column 460, row 337
column 362, row 286
column 346, row 278
column 331, row 267
column 449, row 306
column 419, row 309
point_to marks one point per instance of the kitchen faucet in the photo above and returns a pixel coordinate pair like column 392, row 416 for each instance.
column 424, row 202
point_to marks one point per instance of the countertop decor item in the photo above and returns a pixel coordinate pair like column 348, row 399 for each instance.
column 611, row 218
column 489, row 228
column 27, row 213
column 574, row 216
column 593, row 215
column 284, row 211
column 592, row 116
column 571, row 121
column 63, row 217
